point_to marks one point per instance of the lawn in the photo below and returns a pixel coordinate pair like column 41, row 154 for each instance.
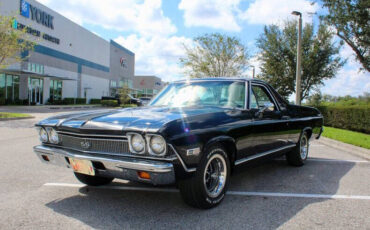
column 12, row 115
column 346, row 136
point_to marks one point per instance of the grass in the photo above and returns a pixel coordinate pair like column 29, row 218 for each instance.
column 349, row 137
column 12, row 115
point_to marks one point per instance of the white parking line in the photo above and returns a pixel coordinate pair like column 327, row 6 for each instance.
column 332, row 160
column 235, row 193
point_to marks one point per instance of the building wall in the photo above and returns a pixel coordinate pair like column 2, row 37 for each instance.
column 95, row 87
column 148, row 82
column 74, row 39
column 83, row 58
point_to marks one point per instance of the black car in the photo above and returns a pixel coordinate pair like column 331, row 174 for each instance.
column 192, row 134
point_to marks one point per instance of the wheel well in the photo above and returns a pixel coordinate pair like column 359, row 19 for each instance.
column 230, row 150
column 309, row 132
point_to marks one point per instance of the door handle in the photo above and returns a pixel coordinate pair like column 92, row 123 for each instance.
column 285, row 117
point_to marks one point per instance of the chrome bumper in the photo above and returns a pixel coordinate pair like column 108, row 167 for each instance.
column 117, row 167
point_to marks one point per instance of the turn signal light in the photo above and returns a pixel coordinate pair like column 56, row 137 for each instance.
column 143, row 175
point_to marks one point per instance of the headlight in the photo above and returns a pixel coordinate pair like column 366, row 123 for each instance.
column 157, row 145
column 53, row 136
column 137, row 143
column 43, row 135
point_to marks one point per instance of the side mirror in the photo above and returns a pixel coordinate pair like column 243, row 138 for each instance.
column 268, row 106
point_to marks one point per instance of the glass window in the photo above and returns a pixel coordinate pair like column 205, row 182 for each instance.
column 260, row 97
column 33, row 67
column 9, row 87
column 2, row 86
column 56, row 87
column 206, row 93
column 16, row 87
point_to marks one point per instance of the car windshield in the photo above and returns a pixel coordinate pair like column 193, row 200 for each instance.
column 229, row 94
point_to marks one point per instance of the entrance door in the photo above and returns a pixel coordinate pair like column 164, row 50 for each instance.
column 35, row 93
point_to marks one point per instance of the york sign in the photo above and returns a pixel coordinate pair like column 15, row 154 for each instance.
column 29, row 11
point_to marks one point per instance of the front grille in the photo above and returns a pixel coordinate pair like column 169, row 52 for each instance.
column 104, row 145
column 115, row 146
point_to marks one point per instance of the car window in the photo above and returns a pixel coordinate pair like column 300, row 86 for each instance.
column 260, row 97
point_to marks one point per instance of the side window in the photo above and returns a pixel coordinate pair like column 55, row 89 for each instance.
column 260, row 97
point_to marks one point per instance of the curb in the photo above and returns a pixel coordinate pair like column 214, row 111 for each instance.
column 15, row 118
column 73, row 107
column 354, row 150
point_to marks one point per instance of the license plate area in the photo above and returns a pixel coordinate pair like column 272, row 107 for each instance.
column 82, row 166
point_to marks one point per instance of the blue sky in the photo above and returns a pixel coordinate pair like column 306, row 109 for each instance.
column 156, row 30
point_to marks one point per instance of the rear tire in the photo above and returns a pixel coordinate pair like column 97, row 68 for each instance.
column 299, row 154
column 207, row 188
column 93, row 180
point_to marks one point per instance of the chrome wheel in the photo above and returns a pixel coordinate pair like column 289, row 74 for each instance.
column 215, row 175
column 304, row 147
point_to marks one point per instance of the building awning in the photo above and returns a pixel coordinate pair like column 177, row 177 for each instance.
column 12, row 71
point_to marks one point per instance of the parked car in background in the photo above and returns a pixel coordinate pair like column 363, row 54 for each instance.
column 145, row 100
column 193, row 134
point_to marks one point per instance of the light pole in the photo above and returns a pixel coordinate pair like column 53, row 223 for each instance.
column 299, row 57
column 254, row 70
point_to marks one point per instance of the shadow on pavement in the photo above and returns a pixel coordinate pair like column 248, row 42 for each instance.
column 120, row 209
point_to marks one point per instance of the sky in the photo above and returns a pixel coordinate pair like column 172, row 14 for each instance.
column 157, row 30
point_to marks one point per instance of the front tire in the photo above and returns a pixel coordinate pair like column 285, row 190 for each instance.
column 93, row 180
column 299, row 154
column 208, row 187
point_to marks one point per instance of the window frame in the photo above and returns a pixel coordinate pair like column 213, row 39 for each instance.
column 268, row 92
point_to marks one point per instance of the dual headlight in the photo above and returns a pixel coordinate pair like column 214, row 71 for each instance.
column 48, row 134
column 155, row 144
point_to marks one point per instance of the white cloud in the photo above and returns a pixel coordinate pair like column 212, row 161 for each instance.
column 217, row 14
column 349, row 80
column 156, row 55
column 144, row 17
column 276, row 11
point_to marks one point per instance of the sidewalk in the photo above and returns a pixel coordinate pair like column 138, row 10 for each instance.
column 352, row 149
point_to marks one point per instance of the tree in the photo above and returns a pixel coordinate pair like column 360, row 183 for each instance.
column 350, row 18
column 277, row 53
column 123, row 95
column 12, row 42
column 215, row 55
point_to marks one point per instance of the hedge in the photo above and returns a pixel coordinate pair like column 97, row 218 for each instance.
column 356, row 118
column 94, row 101
column 110, row 103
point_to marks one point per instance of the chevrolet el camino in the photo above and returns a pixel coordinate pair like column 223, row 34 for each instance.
column 192, row 134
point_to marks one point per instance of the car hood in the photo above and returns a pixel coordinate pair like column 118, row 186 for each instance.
column 129, row 119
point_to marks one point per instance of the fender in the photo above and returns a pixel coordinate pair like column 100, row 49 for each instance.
column 230, row 148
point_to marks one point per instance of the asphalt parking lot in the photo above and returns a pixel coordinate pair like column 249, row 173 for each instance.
column 332, row 191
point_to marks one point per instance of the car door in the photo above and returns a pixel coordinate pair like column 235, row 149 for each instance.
column 270, row 129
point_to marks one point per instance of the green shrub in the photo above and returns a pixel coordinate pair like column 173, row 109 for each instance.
column 80, row 100
column 356, row 118
column 95, row 101
column 68, row 101
column 2, row 101
column 128, row 105
column 110, row 103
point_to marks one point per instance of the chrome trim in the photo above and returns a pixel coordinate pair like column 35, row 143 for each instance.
column 181, row 161
column 129, row 136
column 144, row 165
column 151, row 152
column 114, row 154
column 246, row 99
column 268, row 91
column 193, row 152
column 90, row 135
column 258, row 155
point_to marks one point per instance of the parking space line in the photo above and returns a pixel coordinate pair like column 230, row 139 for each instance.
column 235, row 193
column 332, row 160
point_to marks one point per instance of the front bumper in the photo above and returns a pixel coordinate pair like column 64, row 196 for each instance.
column 111, row 166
